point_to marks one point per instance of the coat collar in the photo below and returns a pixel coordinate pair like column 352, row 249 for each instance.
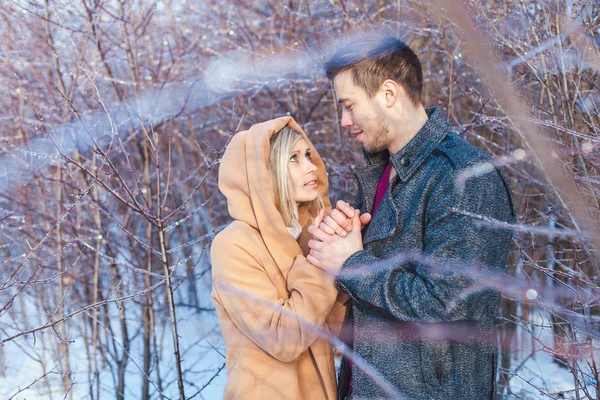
column 408, row 159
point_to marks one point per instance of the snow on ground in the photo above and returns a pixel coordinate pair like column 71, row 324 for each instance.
column 203, row 353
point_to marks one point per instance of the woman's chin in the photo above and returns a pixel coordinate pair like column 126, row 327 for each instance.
column 308, row 198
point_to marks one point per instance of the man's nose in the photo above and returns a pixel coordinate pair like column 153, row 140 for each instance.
column 346, row 119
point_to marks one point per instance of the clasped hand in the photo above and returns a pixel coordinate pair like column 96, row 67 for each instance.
column 336, row 237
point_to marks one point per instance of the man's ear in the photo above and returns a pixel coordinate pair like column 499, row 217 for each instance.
column 392, row 92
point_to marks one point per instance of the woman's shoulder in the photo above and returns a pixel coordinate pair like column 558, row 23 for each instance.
column 236, row 235
column 235, row 248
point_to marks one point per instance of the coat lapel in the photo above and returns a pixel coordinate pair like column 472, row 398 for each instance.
column 383, row 223
column 406, row 162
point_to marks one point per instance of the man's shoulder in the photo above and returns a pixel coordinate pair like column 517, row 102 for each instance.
column 467, row 168
column 461, row 154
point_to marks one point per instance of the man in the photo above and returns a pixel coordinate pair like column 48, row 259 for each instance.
column 421, row 316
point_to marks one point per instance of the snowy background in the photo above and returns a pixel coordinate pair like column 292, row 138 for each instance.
column 115, row 114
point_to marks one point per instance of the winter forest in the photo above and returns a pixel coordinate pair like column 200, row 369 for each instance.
column 114, row 116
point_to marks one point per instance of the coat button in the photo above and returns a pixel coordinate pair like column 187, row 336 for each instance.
column 405, row 161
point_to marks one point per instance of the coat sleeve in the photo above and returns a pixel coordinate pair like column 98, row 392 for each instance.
column 284, row 327
column 436, row 286
column 337, row 316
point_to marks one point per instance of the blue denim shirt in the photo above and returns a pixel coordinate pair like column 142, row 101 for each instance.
column 421, row 313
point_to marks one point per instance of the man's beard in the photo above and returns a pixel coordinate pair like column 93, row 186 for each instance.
column 379, row 138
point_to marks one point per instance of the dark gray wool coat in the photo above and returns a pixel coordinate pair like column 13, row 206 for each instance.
column 422, row 315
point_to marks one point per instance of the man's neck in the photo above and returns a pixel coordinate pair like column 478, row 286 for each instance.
column 406, row 127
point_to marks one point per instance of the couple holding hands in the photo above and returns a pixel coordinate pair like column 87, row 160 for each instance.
column 397, row 277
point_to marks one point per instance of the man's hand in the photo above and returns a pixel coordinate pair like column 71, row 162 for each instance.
column 339, row 220
column 330, row 252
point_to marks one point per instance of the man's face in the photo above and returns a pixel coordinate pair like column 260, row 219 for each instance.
column 362, row 114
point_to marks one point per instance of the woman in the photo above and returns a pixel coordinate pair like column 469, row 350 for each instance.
column 273, row 306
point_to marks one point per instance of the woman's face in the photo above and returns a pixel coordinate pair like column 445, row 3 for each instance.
column 303, row 173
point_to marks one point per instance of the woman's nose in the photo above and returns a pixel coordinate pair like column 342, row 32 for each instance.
column 311, row 167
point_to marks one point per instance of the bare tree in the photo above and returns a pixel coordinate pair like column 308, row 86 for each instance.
column 116, row 115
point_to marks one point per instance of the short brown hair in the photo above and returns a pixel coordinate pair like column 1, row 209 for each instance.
column 371, row 59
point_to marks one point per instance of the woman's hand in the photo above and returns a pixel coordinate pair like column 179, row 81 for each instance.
column 329, row 252
column 319, row 217
column 338, row 221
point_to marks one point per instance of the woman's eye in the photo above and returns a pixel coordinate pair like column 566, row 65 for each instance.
column 308, row 157
column 293, row 158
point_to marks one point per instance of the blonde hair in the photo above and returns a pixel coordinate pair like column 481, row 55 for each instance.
column 282, row 144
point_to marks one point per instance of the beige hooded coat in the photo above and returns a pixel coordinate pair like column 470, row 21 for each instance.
column 268, row 298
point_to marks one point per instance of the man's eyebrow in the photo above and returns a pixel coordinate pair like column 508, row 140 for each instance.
column 343, row 99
